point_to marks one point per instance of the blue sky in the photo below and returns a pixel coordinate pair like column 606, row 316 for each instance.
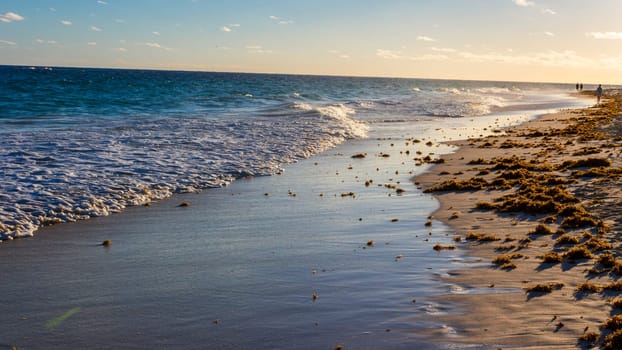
column 526, row 40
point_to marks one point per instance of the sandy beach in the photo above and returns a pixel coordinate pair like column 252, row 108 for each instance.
column 339, row 251
column 539, row 209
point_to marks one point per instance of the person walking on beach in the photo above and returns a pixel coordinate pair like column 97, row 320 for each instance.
column 599, row 93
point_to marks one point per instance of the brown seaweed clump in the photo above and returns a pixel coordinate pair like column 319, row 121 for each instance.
column 481, row 237
column 544, row 287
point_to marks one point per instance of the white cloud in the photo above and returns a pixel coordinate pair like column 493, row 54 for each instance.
column 524, row 3
column 257, row 49
column 425, row 38
column 442, row 49
column 339, row 54
column 10, row 17
column 102, row 2
column 122, row 49
column 549, row 12
column 66, row 22
column 96, row 29
column 549, row 58
column 91, row 43
column 551, row 34
column 51, row 42
column 280, row 20
column 155, row 33
column 6, row 42
column 229, row 27
column 119, row 20
column 389, row 54
column 605, row 35
column 52, row 9
column 428, row 58
column 157, row 46
column 398, row 55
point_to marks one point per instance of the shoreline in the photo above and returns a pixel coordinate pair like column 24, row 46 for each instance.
column 311, row 258
column 501, row 302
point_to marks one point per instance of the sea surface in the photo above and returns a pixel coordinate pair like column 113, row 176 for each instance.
column 81, row 143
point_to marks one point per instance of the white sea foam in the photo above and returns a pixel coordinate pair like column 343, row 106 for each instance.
column 68, row 175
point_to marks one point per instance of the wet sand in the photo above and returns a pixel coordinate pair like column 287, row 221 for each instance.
column 547, row 254
column 311, row 259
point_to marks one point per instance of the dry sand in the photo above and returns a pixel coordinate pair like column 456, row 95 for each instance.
column 494, row 308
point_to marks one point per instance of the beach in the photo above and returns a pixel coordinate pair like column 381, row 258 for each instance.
column 338, row 247
column 338, row 250
column 545, row 275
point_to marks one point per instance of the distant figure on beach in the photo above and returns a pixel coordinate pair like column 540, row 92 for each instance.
column 599, row 93
column 581, row 86
column 577, row 86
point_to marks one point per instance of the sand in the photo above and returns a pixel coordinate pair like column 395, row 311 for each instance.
column 494, row 309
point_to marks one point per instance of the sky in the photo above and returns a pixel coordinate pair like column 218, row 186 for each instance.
column 510, row 40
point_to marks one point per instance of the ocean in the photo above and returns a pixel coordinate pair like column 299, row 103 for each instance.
column 80, row 143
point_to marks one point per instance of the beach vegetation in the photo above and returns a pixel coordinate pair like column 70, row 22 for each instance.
column 617, row 268
column 585, row 151
column 567, row 239
column 428, row 159
column 606, row 260
column 578, row 253
column 541, row 230
column 616, row 302
column 613, row 341
column 478, row 161
column 585, row 163
column 544, row 287
column 588, row 287
column 613, row 323
column 614, row 286
column 476, row 183
column 590, row 338
column 481, row 237
column 551, row 258
column 579, row 220
column 598, row 172
column 439, row 247
column 596, row 244
column 505, row 260
column 505, row 248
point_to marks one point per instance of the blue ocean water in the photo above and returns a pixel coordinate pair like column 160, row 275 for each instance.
column 78, row 143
